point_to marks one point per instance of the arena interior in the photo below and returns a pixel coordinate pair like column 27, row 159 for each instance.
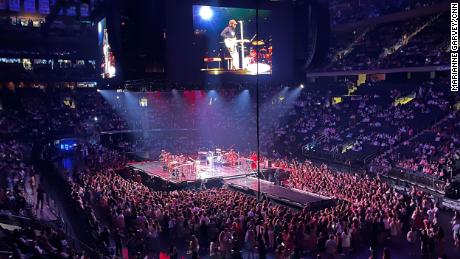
column 229, row 129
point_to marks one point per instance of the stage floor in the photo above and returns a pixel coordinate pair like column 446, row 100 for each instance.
column 277, row 192
column 220, row 71
column 238, row 179
column 155, row 169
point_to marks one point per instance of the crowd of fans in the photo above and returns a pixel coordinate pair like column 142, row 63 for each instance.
column 415, row 42
column 9, row 124
column 435, row 152
column 383, row 126
column 358, row 10
column 38, row 242
column 131, row 216
column 415, row 127
column 224, row 223
column 359, row 125
column 20, row 199
column 429, row 47
column 37, row 112
column 370, row 121
column 12, row 178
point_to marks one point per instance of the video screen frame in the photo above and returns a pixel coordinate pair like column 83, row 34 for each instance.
column 233, row 42
column 108, row 64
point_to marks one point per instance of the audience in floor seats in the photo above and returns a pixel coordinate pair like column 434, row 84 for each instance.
column 14, row 170
column 223, row 220
column 28, row 238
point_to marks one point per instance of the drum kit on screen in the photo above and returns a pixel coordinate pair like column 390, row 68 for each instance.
column 260, row 54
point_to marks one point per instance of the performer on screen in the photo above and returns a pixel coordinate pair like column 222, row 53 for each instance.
column 229, row 36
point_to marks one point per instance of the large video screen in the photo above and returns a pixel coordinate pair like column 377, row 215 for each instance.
column 233, row 40
column 108, row 59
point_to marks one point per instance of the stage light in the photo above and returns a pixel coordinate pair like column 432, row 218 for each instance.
column 95, row 118
column 206, row 13
column 143, row 102
column 112, row 71
column 98, row 90
column 302, row 86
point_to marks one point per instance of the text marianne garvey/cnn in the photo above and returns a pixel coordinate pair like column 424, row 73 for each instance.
column 454, row 47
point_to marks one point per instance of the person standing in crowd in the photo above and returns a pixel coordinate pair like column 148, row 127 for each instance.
column 412, row 236
column 118, row 243
column 331, row 246
column 439, row 238
column 214, row 250
column 172, row 252
column 373, row 254
column 261, row 246
column 386, row 253
column 224, row 243
column 425, row 245
column 40, row 197
column 105, row 237
column 346, row 241
column 280, row 252
column 456, row 229
column 194, row 247
column 250, row 241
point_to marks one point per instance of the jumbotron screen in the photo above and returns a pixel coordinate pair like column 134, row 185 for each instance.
column 233, row 40
column 108, row 59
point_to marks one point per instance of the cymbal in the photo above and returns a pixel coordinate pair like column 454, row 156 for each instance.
column 258, row 42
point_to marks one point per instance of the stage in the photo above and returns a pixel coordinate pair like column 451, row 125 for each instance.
column 280, row 194
column 220, row 71
column 238, row 179
column 155, row 169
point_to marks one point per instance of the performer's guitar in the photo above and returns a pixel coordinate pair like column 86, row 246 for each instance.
column 230, row 43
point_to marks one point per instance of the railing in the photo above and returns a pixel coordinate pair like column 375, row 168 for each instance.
column 341, row 54
column 333, row 157
column 426, row 180
column 405, row 39
column 39, row 224
column 73, row 219
column 418, row 132
column 404, row 15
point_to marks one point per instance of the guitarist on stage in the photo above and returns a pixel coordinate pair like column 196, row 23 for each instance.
column 230, row 41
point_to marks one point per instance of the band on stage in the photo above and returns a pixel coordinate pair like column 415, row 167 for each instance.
column 218, row 162
column 188, row 166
